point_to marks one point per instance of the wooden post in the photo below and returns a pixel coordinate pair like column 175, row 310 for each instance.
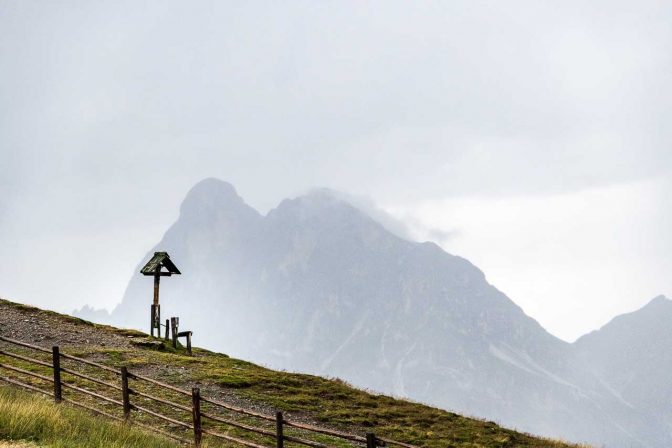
column 56, row 360
column 279, row 433
column 370, row 440
column 157, row 279
column 167, row 328
column 155, row 320
column 156, row 308
column 196, row 415
column 174, row 324
column 189, row 343
column 125, row 393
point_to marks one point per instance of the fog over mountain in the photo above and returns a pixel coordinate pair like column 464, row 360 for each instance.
column 317, row 285
column 530, row 137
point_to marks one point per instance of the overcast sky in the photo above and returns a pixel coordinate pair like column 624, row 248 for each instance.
column 530, row 137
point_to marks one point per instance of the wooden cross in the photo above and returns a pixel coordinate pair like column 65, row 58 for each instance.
column 159, row 266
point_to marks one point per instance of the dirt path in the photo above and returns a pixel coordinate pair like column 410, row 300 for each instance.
column 45, row 329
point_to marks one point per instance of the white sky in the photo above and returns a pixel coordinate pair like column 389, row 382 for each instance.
column 530, row 137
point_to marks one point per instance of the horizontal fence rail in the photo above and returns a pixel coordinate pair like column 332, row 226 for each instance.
column 128, row 399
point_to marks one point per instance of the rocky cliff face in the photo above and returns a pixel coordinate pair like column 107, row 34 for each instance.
column 318, row 286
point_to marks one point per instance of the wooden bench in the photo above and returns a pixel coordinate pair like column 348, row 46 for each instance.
column 174, row 326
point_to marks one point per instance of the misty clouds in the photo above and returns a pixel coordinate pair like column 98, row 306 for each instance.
column 111, row 111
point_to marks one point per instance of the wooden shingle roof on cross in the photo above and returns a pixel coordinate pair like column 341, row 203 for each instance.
column 159, row 262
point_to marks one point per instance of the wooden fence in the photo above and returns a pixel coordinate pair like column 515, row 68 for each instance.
column 207, row 415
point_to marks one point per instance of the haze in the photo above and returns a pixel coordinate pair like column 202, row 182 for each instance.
column 529, row 137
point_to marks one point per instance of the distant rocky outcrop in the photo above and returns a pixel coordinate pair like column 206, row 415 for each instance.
column 92, row 314
column 318, row 286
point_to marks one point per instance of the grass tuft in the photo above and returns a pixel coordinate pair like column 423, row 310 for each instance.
column 27, row 418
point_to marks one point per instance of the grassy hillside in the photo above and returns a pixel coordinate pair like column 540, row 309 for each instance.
column 29, row 420
column 326, row 402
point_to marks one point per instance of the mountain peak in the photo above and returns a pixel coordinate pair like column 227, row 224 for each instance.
column 346, row 206
column 319, row 197
column 658, row 310
column 212, row 194
column 318, row 203
column 212, row 187
column 657, row 302
column 651, row 318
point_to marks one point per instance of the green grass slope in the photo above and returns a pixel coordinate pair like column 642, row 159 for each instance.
column 311, row 399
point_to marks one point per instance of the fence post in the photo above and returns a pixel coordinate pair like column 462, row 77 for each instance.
column 196, row 415
column 370, row 440
column 56, row 360
column 167, row 328
column 279, row 433
column 125, row 393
